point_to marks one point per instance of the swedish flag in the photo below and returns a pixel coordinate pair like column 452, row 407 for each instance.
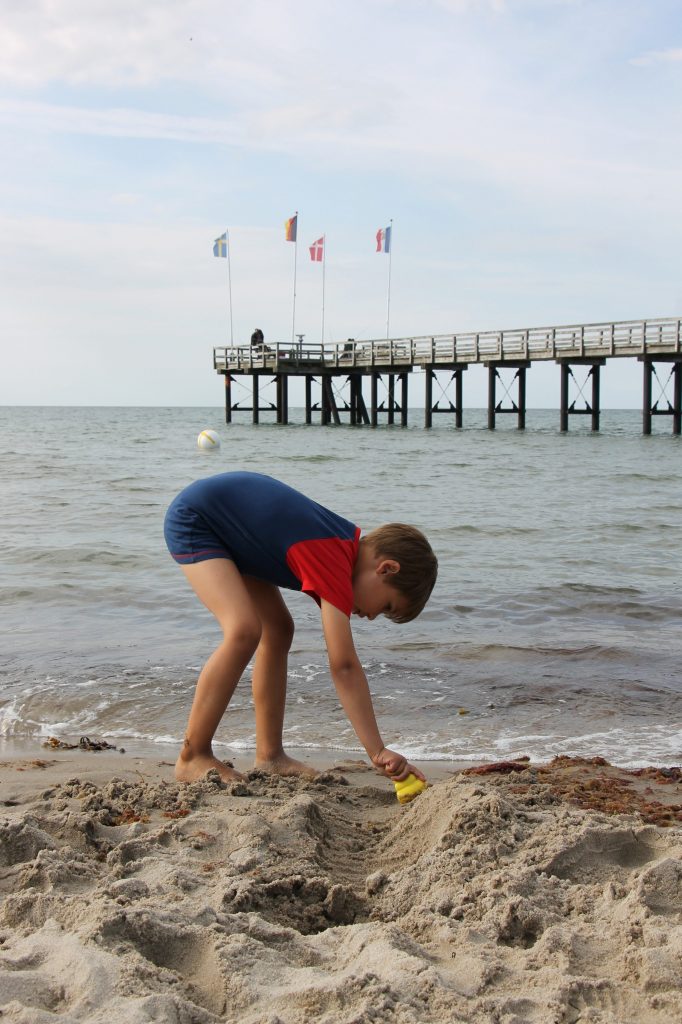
column 220, row 245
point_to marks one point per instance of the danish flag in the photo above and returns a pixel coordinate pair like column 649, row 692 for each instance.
column 317, row 250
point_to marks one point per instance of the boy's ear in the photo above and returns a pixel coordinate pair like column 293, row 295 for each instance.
column 388, row 567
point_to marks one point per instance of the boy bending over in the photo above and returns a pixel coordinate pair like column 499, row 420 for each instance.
column 239, row 537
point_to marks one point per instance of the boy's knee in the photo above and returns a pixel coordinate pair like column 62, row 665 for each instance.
column 288, row 630
column 280, row 632
column 244, row 634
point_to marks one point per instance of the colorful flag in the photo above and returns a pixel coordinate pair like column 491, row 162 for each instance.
column 317, row 250
column 220, row 246
column 384, row 240
column 290, row 229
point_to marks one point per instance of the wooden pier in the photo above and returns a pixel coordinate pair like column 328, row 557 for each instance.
column 335, row 374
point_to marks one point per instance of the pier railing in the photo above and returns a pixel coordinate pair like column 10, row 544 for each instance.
column 658, row 337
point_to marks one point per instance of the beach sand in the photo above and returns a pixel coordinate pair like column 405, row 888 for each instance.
column 522, row 893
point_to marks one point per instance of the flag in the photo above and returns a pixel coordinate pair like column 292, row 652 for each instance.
column 384, row 240
column 317, row 250
column 220, row 245
column 290, row 229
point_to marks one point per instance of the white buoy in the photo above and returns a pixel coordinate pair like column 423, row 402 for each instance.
column 208, row 441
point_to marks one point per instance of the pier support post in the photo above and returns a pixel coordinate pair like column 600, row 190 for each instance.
column 329, row 402
column 285, row 399
column 391, row 399
column 521, row 376
column 361, row 413
column 595, row 396
column 677, row 399
column 254, row 410
column 324, row 403
column 373, row 399
column 308, row 398
column 282, row 398
column 492, row 378
column 648, row 368
column 352, row 402
column 563, row 405
column 403, row 400
column 228, row 398
column 428, row 396
column 459, row 391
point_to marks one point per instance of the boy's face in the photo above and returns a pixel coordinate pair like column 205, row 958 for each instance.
column 372, row 591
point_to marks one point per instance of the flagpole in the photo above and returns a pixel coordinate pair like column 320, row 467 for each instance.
column 229, row 283
column 293, row 316
column 324, row 262
column 390, row 257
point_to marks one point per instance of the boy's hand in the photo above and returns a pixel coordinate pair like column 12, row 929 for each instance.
column 395, row 766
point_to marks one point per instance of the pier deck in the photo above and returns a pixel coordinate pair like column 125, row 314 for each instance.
column 590, row 345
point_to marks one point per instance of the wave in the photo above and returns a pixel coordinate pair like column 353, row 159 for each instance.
column 319, row 458
column 510, row 530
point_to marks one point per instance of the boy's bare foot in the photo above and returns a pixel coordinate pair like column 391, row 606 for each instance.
column 285, row 765
column 199, row 765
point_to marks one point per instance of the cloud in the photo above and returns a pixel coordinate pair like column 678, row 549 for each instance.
column 464, row 6
column 670, row 56
column 116, row 122
column 513, row 142
column 125, row 198
column 131, row 44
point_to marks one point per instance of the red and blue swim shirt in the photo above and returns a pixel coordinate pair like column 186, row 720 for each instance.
column 270, row 531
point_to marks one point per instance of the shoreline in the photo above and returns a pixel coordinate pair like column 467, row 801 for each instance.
column 104, row 764
column 511, row 891
column 320, row 758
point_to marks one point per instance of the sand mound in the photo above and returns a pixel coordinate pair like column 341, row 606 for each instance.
column 489, row 899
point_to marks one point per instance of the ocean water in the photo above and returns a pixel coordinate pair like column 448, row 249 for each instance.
column 554, row 627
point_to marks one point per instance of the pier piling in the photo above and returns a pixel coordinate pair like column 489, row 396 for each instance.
column 374, row 387
column 255, row 404
column 228, row 398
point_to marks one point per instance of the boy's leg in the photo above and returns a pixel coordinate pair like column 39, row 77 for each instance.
column 270, row 679
column 220, row 586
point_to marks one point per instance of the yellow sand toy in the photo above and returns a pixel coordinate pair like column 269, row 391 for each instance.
column 409, row 788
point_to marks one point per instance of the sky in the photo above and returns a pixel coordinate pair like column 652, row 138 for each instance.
column 528, row 153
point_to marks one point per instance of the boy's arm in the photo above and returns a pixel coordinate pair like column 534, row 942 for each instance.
column 353, row 690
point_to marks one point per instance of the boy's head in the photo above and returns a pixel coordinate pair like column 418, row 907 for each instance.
column 400, row 558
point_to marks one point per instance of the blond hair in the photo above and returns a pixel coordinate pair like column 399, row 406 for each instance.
column 418, row 565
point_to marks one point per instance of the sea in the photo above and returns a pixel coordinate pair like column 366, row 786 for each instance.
column 554, row 627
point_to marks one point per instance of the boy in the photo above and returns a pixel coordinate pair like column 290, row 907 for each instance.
column 241, row 536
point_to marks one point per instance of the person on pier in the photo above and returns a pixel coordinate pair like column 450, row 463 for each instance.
column 258, row 345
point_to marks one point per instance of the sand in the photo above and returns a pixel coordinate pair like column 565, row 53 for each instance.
column 521, row 894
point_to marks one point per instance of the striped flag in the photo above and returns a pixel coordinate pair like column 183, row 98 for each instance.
column 317, row 250
column 290, row 229
column 384, row 240
column 220, row 245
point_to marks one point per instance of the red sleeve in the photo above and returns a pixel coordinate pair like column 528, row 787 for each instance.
column 325, row 569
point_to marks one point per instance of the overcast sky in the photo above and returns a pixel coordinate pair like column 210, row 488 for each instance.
column 527, row 151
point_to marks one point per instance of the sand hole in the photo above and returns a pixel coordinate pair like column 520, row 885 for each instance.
column 307, row 905
column 595, row 856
